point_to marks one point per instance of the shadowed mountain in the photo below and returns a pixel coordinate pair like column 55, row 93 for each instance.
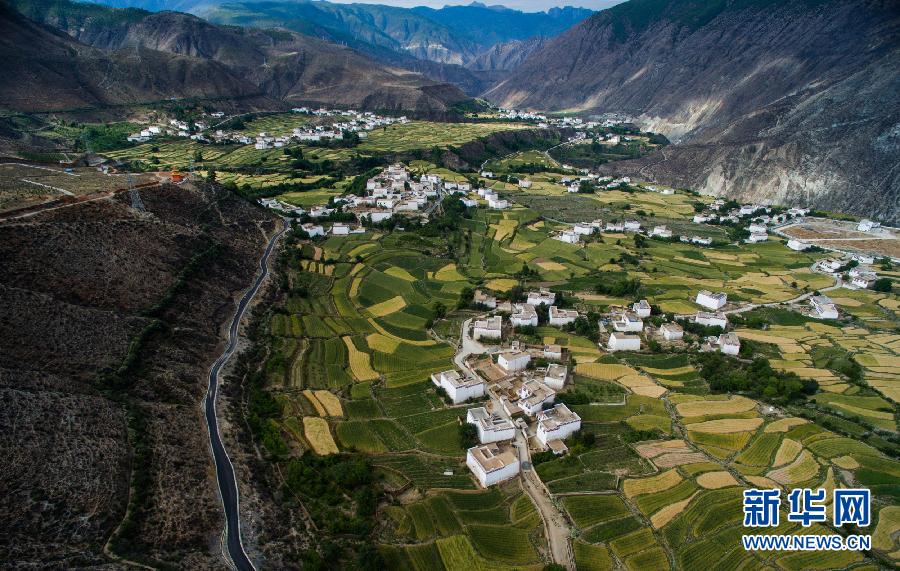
column 769, row 100
column 284, row 65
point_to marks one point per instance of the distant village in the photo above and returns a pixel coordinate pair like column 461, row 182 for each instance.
column 358, row 122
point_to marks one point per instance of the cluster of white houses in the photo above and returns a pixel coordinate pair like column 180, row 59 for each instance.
column 578, row 230
column 359, row 122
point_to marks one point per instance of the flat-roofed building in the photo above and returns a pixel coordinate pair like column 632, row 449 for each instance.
column 492, row 463
column 711, row 300
column 628, row 322
column 491, row 426
column 729, row 343
column 458, row 387
column 557, row 423
column 671, row 331
column 524, row 315
column 490, row 328
column 623, row 342
column 513, row 360
column 532, row 395
column 555, row 376
column 823, row 307
column 642, row 308
column 559, row 317
column 544, row 296
column 485, row 299
column 717, row 319
column 553, row 352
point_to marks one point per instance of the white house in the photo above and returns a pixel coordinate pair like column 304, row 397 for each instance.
column 458, row 387
column 757, row 228
column 717, row 319
column 524, row 315
column 711, row 300
column 798, row 245
column 497, row 203
column 469, row 202
column 484, row 299
column 557, row 423
column 641, row 308
column 492, row 463
column 729, row 343
column 628, row 322
column 524, row 183
column 553, row 352
column 559, row 317
column 513, row 360
column 492, row 427
column 544, row 296
column 555, row 376
column 490, row 328
column 863, row 258
column 583, row 229
column 756, row 238
column 569, row 237
column 340, row 229
column 623, row 342
column 671, row 331
column 632, row 226
column 615, row 227
column 532, row 395
column 313, row 229
column 864, row 281
column 866, row 225
column 701, row 241
column 700, row 218
column 661, row 232
column 823, row 307
column 487, row 174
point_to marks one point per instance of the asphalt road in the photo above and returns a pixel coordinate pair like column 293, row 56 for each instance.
column 224, row 469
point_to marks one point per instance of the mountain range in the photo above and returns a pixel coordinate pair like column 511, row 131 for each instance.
column 795, row 101
column 109, row 56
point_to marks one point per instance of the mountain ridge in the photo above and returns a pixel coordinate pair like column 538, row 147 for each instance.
column 775, row 85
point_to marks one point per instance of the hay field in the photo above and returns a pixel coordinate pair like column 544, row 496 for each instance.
column 319, row 436
column 359, row 362
column 388, row 307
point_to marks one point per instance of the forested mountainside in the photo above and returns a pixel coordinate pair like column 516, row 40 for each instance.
column 768, row 100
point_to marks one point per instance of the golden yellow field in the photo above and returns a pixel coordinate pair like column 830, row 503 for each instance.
column 331, row 403
column 386, row 333
column 716, row 480
column 785, row 424
column 359, row 362
column 802, row 469
column 379, row 342
column 666, row 514
column 319, row 436
column 501, row 284
column 311, row 397
column 656, row 483
column 788, row 450
column 388, row 307
column 448, row 273
column 710, row 407
column 604, row 371
column 727, row 425
column 504, row 228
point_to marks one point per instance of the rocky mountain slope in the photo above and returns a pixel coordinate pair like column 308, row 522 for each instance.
column 110, row 321
column 454, row 35
column 784, row 101
column 47, row 70
column 283, row 66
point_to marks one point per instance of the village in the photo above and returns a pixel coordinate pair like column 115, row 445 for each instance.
column 331, row 127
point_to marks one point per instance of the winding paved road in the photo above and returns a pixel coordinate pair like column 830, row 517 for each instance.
column 224, row 469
